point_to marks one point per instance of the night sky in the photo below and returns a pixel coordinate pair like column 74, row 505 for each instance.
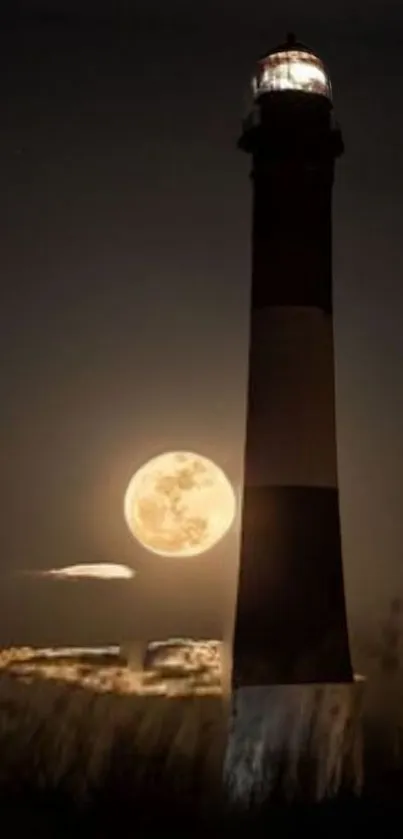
column 125, row 221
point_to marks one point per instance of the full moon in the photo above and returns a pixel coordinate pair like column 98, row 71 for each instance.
column 179, row 504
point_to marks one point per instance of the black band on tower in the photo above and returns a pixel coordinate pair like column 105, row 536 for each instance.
column 292, row 237
column 291, row 625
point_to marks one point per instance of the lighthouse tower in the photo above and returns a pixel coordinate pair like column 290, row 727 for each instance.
column 290, row 622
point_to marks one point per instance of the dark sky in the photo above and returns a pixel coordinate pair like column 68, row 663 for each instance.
column 125, row 217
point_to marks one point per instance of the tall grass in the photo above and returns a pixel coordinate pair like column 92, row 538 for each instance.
column 92, row 747
column 105, row 748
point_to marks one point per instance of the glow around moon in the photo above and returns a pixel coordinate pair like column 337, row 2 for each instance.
column 179, row 504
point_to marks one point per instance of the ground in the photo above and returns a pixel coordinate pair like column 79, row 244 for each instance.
column 84, row 726
column 85, row 735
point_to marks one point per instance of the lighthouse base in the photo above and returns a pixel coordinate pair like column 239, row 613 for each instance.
column 294, row 741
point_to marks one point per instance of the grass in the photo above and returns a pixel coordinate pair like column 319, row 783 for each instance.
column 95, row 744
column 83, row 754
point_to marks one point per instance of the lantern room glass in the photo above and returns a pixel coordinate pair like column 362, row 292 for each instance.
column 292, row 70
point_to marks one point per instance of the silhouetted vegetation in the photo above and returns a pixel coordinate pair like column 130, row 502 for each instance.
column 73, row 758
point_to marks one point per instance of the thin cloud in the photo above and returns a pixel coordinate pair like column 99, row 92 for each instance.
column 97, row 571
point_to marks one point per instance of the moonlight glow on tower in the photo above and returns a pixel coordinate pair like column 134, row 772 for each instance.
column 290, row 614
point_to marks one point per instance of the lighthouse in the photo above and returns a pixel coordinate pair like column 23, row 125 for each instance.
column 290, row 617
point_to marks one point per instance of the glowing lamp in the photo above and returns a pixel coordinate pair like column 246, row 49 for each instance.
column 293, row 67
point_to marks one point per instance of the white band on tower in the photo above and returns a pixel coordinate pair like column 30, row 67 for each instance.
column 291, row 438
